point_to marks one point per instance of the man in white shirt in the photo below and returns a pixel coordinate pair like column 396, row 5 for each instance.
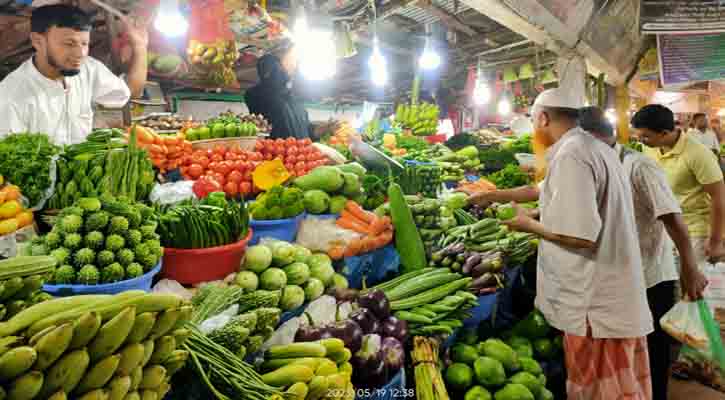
column 54, row 91
column 590, row 282
column 703, row 134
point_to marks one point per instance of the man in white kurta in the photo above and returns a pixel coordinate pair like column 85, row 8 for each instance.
column 54, row 91
column 590, row 282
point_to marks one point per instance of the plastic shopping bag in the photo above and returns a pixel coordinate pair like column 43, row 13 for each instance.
column 702, row 357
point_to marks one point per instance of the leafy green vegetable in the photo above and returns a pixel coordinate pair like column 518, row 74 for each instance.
column 25, row 162
column 510, row 176
column 462, row 140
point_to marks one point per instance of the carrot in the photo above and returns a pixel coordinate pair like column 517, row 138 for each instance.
column 348, row 215
column 367, row 244
column 359, row 212
column 353, row 225
column 387, row 236
column 353, row 248
column 336, row 252
column 377, row 227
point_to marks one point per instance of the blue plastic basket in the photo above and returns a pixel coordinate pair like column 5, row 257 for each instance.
column 324, row 216
column 451, row 185
column 482, row 311
column 395, row 389
column 143, row 282
column 374, row 267
column 472, row 177
column 280, row 229
column 417, row 163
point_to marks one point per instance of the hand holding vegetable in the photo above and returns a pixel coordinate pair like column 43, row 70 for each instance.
column 521, row 221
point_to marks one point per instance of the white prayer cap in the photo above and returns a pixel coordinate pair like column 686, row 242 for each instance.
column 557, row 98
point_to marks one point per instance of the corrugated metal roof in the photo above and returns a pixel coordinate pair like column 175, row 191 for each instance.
column 424, row 17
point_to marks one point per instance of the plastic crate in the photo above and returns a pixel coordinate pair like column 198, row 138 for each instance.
column 189, row 266
column 280, row 229
column 395, row 389
column 143, row 282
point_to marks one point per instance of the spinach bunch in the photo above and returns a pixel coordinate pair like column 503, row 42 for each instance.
column 25, row 161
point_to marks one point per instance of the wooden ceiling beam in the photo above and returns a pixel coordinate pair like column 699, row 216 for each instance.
column 446, row 18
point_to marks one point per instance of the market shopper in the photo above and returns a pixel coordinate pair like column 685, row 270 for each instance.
column 273, row 98
column 590, row 282
column 54, row 91
column 694, row 175
column 703, row 134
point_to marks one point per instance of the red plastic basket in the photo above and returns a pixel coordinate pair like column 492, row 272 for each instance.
column 189, row 266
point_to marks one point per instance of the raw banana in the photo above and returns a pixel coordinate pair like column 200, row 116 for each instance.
column 99, row 374
column 164, row 323
column 51, row 346
column 33, row 340
column 184, row 316
column 131, row 357
column 119, row 387
column 132, row 396
column 98, row 394
column 180, row 335
column 173, row 366
column 141, row 327
column 163, row 389
column 65, row 373
column 163, row 347
column 8, row 342
column 31, row 285
column 152, row 377
column 25, row 387
column 15, row 307
column 136, row 376
column 85, row 329
column 59, row 395
column 112, row 334
column 149, row 395
column 17, row 361
column 147, row 352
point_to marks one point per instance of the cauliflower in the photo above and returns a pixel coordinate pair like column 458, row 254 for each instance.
column 115, row 242
column 64, row 275
column 52, row 240
column 94, row 240
column 118, row 224
column 134, row 270
column 133, row 237
column 97, row 221
column 84, row 256
column 89, row 275
column 105, row 257
column 112, row 273
column 126, row 256
column 61, row 255
column 72, row 241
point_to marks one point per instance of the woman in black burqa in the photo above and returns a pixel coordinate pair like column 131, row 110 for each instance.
column 272, row 97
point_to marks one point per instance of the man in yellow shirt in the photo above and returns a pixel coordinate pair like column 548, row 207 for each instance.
column 693, row 173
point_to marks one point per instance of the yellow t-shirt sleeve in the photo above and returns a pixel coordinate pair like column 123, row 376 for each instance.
column 704, row 165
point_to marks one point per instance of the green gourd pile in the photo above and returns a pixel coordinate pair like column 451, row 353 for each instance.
column 21, row 283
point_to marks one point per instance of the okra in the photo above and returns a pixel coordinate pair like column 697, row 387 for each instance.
column 413, row 317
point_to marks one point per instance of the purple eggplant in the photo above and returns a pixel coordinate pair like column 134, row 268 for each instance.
column 376, row 301
column 371, row 377
column 471, row 262
column 343, row 295
column 376, row 327
column 308, row 333
column 370, row 353
column 396, row 328
column 393, row 354
column 364, row 318
column 488, row 279
column 350, row 333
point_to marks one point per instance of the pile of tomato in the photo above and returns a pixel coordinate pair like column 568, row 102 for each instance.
column 298, row 155
column 232, row 167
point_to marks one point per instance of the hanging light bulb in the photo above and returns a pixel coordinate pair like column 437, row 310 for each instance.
column 611, row 116
column 430, row 59
column 169, row 20
column 504, row 106
column 378, row 67
column 316, row 49
column 481, row 92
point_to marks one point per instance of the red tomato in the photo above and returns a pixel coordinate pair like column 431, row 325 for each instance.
column 236, row 149
column 247, row 175
column 209, row 153
column 292, row 150
column 237, row 165
column 268, row 156
column 219, row 149
column 213, row 166
column 203, row 161
column 203, row 186
column 217, row 157
column 244, row 156
column 195, row 170
column 231, row 189
column 291, row 141
column 245, row 188
column 289, row 166
column 229, row 156
column 234, row 176
column 306, row 142
column 220, row 178
column 292, row 158
column 259, row 145
column 198, row 153
column 300, row 165
column 279, row 150
column 223, row 168
column 279, row 142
